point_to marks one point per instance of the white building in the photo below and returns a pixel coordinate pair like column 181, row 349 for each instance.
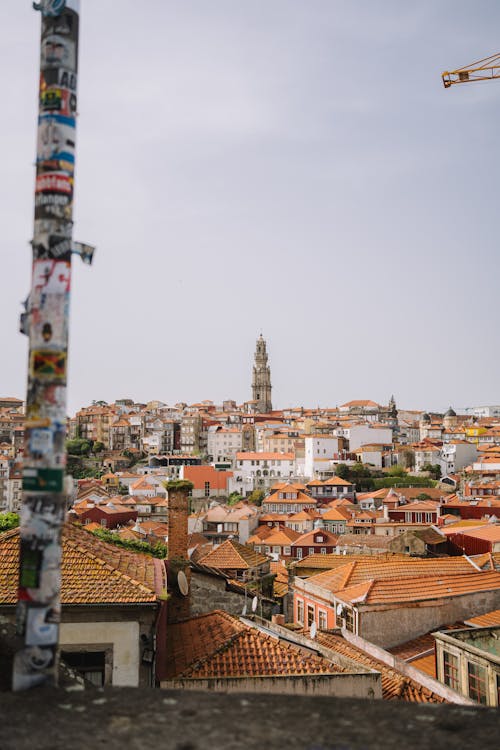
column 223, row 443
column 364, row 434
column 318, row 449
column 455, row 455
column 254, row 470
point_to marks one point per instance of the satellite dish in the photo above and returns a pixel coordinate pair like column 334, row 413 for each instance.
column 182, row 583
column 255, row 602
column 313, row 630
column 339, row 609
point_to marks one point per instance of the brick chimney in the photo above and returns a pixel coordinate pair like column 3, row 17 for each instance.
column 178, row 606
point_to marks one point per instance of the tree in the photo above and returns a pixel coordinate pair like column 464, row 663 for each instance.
column 423, row 496
column 342, row 471
column 256, row 497
column 78, row 447
column 433, row 469
column 8, row 521
column 234, row 498
column 396, row 471
column 98, row 447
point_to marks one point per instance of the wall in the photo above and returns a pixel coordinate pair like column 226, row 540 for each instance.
column 339, row 685
column 392, row 627
column 209, row 592
column 124, row 638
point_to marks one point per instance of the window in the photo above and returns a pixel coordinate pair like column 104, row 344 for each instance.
column 349, row 620
column 322, row 622
column 311, row 550
column 287, row 551
column 207, row 489
column 477, row 682
column 310, row 615
column 299, row 553
column 450, row 670
column 90, row 664
column 300, row 611
column 323, row 550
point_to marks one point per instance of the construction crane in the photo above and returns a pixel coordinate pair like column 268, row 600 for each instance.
column 482, row 70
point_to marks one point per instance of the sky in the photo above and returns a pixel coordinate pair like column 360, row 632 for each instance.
column 288, row 167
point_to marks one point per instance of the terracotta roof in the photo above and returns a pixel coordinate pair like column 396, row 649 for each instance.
column 423, row 588
column 219, row 645
column 372, row 568
column 488, row 620
column 234, row 556
column 93, row 572
column 307, row 539
column 395, row 686
column 331, row 561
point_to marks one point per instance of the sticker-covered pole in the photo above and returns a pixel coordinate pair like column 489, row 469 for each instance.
column 45, row 321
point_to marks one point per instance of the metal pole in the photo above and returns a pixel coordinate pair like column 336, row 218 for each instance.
column 45, row 321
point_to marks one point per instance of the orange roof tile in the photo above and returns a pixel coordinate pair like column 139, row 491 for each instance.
column 395, row 686
column 234, row 556
column 93, row 572
column 488, row 620
column 219, row 645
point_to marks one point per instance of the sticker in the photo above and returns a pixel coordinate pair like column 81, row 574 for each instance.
column 58, row 101
column 54, row 182
column 45, row 480
column 41, row 626
column 48, row 365
column 66, row 79
column 56, row 51
column 50, row 7
column 40, row 442
column 29, row 566
column 45, row 401
column 56, row 143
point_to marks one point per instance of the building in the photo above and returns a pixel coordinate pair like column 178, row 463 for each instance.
column 261, row 379
column 254, row 470
column 468, row 661
column 111, row 607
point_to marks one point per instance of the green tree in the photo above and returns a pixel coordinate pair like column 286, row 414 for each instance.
column 256, row 497
column 396, row 471
column 433, row 469
column 8, row 521
column 342, row 471
column 423, row 496
column 98, row 447
column 408, row 459
column 78, row 447
column 234, row 498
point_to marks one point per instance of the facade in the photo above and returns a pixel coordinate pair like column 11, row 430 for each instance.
column 261, row 379
column 468, row 661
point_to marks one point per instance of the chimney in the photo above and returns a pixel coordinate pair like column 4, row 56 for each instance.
column 178, row 606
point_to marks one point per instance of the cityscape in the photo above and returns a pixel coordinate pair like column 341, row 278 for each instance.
column 327, row 540
column 250, row 460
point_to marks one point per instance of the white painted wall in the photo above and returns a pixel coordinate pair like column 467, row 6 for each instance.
column 124, row 636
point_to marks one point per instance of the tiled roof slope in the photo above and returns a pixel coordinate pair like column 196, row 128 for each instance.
column 234, row 556
column 93, row 572
column 329, row 562
column 395, row 686
column 421, row 588
column 219, row 645
column 488, row 620
column 360, row 570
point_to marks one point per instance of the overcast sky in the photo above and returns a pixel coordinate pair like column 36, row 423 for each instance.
column 287, row 166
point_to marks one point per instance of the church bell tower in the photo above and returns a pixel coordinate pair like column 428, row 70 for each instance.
column 261, row 379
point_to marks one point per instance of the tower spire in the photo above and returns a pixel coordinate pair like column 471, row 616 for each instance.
column 261, row 378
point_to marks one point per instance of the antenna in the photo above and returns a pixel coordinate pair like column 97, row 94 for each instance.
column 313, row 630
column 255, row 602
column 182, row 583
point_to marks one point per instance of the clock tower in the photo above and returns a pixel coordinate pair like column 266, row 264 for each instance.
column 261, row 379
